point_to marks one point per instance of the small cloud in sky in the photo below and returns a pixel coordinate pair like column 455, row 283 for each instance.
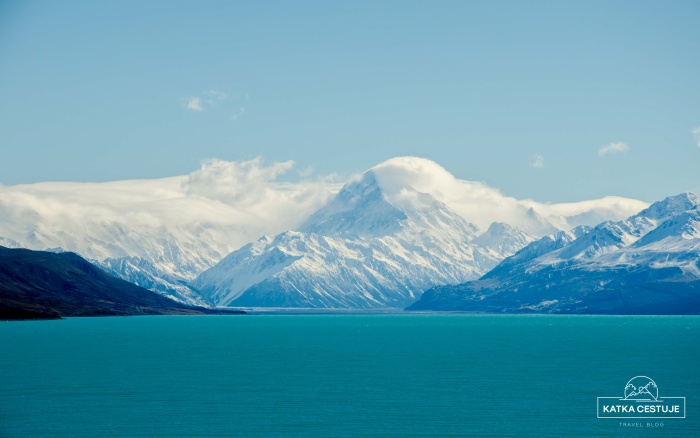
column 195, row 104
column 537, row 162
column 613, row 148
column 235, row 116
column 207, row 99
column 696, row 134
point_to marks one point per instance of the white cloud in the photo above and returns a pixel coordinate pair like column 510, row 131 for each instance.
column 235, row 116
column 613, row 148
column 481, row 204
column 570, row 214
column 207, row 99
column 195, row 104
column 236, row 183
column 696, row 134
column 537, row 162
column 192, row 220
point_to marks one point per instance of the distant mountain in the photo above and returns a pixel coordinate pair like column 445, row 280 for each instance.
column 646, row 264
column 373, row 245
column 37, row 284
column 140, row 271
column 502, row 240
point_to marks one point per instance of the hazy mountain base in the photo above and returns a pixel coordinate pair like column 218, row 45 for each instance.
column 622, row 291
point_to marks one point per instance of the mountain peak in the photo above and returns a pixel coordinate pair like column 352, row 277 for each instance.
column 366, row 207
column 537, row 225
column 499, row 229
column 671, row 206
column 360, row 208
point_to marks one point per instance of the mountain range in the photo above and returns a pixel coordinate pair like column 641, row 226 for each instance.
column 231, row 234
column 648, row 263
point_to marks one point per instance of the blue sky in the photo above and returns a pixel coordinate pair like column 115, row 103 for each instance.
column 522, row 96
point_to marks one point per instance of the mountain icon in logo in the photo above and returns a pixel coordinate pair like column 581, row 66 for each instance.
column 641, row 388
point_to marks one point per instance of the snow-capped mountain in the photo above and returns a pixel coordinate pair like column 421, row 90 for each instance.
column 162, row 233
column 648, row 263
column 373, row 245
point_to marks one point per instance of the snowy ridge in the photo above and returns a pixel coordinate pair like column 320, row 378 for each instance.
column 145, row 274
column 648, row 263
column 539, row 250
column 610, row 237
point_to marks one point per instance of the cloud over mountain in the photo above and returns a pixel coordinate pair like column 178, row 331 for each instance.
column 248, row 198
column 481, row 204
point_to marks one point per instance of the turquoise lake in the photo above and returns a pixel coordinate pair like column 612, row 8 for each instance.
column 394, row 375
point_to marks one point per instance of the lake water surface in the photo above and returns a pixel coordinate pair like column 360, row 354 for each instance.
column 395, row 375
